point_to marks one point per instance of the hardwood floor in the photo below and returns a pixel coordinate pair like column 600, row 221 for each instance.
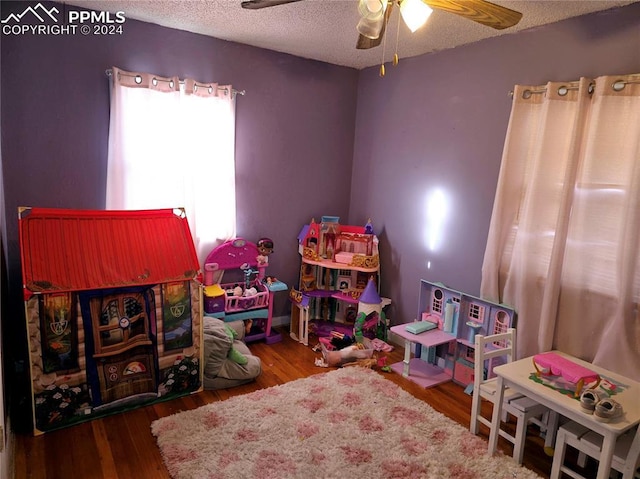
column 122, row 447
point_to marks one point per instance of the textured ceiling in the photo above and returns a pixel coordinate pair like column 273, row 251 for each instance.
column 325, row 30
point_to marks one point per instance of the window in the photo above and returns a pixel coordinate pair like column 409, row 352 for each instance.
column 476, row 313
column 172, row 144
column 436, row 303
column 562, row 247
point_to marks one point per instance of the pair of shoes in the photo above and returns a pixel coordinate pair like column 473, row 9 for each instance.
column 606, row 410
column 600, row 405
column 589, row 399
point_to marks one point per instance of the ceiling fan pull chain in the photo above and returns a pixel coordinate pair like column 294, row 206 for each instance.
column 384, row 45
column 395, row 55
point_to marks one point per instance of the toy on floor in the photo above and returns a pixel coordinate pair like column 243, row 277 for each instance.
column 345, row 355
column 340, row 340
column 380, row 345
column 363, row 363
column 233, row 354
column 371, row 363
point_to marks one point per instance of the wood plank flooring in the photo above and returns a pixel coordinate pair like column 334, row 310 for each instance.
column 122, row 447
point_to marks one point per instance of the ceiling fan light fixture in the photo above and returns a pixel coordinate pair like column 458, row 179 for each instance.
column 414, row 13
column 372, row 9
column 370, row 28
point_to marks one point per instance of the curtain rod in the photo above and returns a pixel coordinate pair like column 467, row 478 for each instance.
column 234, row 92
column 618, row 85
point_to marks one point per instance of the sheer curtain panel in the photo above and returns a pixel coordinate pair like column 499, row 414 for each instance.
column 172, row 144
column 564, row 235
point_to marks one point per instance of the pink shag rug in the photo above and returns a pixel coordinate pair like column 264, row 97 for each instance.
column 347, row 423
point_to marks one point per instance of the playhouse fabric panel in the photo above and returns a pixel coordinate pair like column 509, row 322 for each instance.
column 113, row 310
column 76, row 250
column 109, row 353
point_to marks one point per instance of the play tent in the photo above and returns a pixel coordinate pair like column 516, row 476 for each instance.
column 113, row 311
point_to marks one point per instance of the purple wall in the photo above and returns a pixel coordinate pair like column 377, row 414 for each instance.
column 295, row 129
column 301, row 128
column 439, row 122
column 294, row 139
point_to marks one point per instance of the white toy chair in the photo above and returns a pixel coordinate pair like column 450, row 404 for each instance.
column 524, row 409
column 626, row 455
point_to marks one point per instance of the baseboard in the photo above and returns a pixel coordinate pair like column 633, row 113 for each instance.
column 280, row 321
column 7, row 456
column 395, row 340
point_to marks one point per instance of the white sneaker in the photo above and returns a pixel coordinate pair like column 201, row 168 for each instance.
column 606, row 410
column 589, row 399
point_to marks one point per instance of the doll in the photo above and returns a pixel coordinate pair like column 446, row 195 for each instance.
column 265, row 248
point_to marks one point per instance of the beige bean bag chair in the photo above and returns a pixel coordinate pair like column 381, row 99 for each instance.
column 228, row 362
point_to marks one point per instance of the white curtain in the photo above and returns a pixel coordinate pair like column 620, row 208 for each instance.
column 564, row 236
column 172, row 144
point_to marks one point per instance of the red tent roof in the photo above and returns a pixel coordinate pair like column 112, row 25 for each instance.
column 74, row 250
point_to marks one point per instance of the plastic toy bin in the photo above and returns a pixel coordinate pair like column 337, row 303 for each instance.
column 214, row 299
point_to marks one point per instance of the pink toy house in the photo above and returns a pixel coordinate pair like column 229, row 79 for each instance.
column 112, row 306
column 447, row 352
column 337, row 263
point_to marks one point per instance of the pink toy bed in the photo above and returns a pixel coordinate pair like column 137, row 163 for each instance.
column 553, row 364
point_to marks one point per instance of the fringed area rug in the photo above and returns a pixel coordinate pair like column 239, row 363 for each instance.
column 347, row 423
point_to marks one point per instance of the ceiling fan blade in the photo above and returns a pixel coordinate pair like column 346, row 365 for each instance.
column 364, row 43
column 479, row 11
column 257, row 4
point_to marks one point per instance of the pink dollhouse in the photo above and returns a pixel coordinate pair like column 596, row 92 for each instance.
column 337, row 263
column 446, row 351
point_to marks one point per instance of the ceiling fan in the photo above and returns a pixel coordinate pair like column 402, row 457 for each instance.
column 375, row 14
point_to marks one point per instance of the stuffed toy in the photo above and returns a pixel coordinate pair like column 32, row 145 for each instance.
column 233, row 354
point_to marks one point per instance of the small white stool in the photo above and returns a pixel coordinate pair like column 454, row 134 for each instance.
column 626, row 456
